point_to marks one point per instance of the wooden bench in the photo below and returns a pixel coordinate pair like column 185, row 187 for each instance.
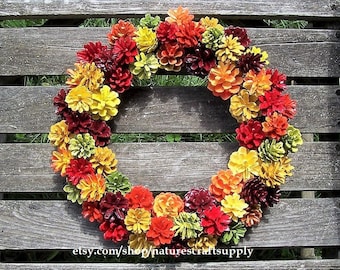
column 310, row 57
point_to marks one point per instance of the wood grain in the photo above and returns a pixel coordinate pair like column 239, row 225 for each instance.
column 304, row 53
column 165, row 166
column 59, row 225
column 234, row 8
column 326, row 264
column 165, row 109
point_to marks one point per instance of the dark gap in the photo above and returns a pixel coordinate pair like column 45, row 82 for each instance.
column 12, row 80
column 63, row 23
column 244, row 22
column 34, row 196
column 173, row 137
column 69, row 256
column 33, row 80
column 62, row 195
column 313, row 81
column 60, row 79
column 330, row 253
column 329, row 137
column 290, row 194
column 241, row 21
column 134, row 137
column 327, row 194
column 326, row 24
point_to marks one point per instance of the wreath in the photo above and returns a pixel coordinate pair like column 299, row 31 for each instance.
column 237, row 195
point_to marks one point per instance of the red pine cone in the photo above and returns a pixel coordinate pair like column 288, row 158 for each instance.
column 166, row 32
column 78, row 169
column 189, row 34
column 214, row 221
column 274, row 100
column 114, row 231
column 91, row 211
column 119, row 79
column 250, row 134
column 124, row 50
column 278, row 79
column 91, row 52
column 102, row 56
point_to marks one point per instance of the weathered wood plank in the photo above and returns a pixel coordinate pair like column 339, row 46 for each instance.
column 306, row 53
column 165, row 166
column 188, row 110
column 59, row 225
column 327, row 264
column 87, row 8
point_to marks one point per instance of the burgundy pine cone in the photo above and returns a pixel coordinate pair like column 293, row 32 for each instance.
column 114, row 207
column 198, row 199
column 273, row 197
column 200, row 60
column 250, row 61
column 254, row 192
column 239, row 32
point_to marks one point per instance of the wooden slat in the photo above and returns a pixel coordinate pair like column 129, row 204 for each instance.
column 170, row 109
column 61, row 8
column 165, row 166
column 305, row 53
column 230, row 265
column 59, row 225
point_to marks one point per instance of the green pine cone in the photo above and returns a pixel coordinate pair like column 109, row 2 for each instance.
column 234, row 235
column 292, row 140
column 271, row 150
column 82, row 146
column 149, row 21
column 73, row 194
column 187, row 225
column 118, row 182
column 144, row 66
column 211, row 38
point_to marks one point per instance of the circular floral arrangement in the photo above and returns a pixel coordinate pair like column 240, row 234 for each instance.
column 237, row 195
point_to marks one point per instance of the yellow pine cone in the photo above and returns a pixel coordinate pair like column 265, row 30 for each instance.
column 104, row 160
column 234, row 206
column 105, row 103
